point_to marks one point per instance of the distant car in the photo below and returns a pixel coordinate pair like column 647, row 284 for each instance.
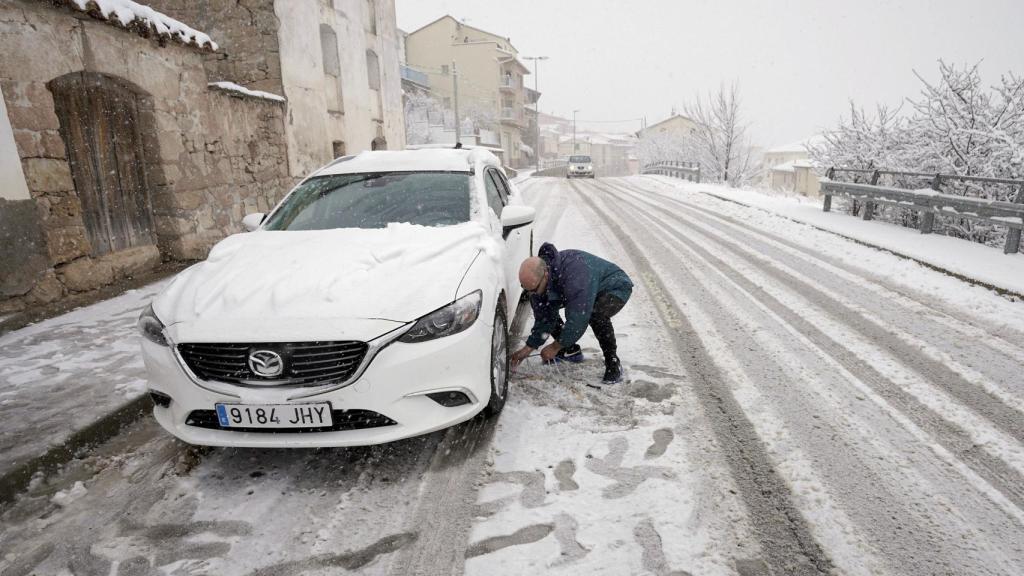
column 371, row 304
column 580, row 167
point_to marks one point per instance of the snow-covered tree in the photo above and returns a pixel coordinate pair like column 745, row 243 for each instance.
column 721, row 136
column 956, row 126
column 421, row 112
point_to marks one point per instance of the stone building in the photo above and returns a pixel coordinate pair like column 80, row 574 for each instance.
column 335, row 61
column 115, row 151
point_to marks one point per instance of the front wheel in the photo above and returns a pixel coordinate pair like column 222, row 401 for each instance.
column 499, row 363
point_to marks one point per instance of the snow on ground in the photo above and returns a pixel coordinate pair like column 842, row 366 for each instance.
column 972, row 260
column 982, row 263
column 612, row 481
column 785, row 385
column 62, row 374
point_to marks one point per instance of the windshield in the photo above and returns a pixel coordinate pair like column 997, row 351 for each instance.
column 374, row 201
column 579, row 159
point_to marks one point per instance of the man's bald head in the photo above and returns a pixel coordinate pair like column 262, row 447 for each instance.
column 531, row 272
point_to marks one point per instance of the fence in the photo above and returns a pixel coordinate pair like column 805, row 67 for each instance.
column 930, row 202
column 686, row 170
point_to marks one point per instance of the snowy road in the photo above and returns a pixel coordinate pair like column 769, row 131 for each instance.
column 797, row 404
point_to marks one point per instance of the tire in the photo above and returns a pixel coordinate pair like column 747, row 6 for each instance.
column 499, row 369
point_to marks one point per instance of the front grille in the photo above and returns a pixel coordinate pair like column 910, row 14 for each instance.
column 343, row 420
column 305, row 363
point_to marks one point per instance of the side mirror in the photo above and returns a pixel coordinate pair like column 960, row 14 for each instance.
column 253, row 221
column 516, row 216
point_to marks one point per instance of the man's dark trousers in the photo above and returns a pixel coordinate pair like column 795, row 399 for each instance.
column 605, row 306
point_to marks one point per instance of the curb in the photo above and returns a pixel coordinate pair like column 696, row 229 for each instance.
column 15, row 482
column 926, row 264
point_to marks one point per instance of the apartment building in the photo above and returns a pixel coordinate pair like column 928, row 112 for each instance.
column 490, row 80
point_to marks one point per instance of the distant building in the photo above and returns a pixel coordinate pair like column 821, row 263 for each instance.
column 790, row 167
column 675, row 125
column 490, row 77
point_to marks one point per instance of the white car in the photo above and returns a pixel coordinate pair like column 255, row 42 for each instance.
column 580, row 167
column 372, row 304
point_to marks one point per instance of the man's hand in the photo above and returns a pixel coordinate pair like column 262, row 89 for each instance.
column 549, row 351
column 520, row 355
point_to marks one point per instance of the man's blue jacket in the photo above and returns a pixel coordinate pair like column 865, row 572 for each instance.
column 575, row 278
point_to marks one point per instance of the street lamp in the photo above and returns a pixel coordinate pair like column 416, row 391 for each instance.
column 573, row 132
column 536, row 110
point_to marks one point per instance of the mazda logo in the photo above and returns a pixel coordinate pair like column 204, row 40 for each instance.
column 266, row 363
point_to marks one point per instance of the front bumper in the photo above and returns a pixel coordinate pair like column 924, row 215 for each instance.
column 394, row 385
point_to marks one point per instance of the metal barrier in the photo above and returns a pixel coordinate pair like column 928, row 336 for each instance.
column 686, row 170
column 931, row 202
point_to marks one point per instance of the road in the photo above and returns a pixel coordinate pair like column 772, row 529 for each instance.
column 792, row 407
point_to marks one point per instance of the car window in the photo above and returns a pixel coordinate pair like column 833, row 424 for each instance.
column 374, row 201
column 493, row 195
column 502, row 183
column 580, row 159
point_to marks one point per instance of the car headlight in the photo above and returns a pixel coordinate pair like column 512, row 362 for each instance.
column 151, row 327
column 589, row 167
column 451, row 319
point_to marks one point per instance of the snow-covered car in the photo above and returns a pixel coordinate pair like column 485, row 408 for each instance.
column 371, row 304
column 580, row 167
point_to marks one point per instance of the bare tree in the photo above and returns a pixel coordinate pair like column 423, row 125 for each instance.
column 721, row 136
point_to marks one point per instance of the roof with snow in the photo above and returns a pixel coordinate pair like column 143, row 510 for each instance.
column 143, row 20
column 421, row 160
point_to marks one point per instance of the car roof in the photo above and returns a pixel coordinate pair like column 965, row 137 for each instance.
column 425, row 160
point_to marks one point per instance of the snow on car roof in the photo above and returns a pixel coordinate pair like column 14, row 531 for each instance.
column 427, row 160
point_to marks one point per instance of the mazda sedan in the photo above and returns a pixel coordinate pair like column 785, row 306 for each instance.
column 371, row 304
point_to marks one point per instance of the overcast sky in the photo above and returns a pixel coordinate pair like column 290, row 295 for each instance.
column 798, row 62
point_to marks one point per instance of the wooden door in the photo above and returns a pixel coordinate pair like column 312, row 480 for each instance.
column 100, row 125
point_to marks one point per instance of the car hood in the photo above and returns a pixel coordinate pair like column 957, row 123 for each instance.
column 323, row 284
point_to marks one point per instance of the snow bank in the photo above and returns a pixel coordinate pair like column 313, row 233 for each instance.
column 134, row 16
column 397, row 273
column 235, row 88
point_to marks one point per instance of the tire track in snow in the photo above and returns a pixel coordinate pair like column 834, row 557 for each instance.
column 1007, row 418
column 785, row 539
column 1007, row 337
column 985, row 355
column 938, row 528
column 952, row 437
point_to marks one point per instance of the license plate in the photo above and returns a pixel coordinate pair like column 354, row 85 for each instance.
column 274, row 416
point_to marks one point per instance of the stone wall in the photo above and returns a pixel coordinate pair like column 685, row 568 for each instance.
column 211, row 156
column 246, row 31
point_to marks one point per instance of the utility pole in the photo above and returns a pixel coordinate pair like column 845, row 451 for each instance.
column 536, row 110
column 455, row 91
column 573, row 132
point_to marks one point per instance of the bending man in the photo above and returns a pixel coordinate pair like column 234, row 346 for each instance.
column 590, row 289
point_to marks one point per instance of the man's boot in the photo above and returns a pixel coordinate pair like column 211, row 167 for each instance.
column 612, row 370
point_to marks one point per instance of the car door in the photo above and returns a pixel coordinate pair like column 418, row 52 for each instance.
column 517, row 245
column 496, row 201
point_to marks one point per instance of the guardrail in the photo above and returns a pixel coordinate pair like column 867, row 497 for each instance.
column 932, row 201
column 686, row 170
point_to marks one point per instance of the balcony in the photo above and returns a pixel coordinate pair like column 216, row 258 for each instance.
column 508, row 83
column 513, row 116
column 415, row 76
